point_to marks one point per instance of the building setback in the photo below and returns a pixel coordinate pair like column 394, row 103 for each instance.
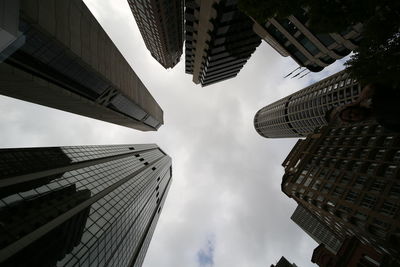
column 82, row 205
column 298, row 114
column 219, row 40
column 161, row 24
column 283, row 262
column 292, row 37
column 348, row 177
column 64, row 59
column 316, row 229
column 351, row 253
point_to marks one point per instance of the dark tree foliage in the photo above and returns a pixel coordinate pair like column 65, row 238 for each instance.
column 377, row 58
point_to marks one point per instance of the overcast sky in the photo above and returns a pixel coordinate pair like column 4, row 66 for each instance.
column 225, row 206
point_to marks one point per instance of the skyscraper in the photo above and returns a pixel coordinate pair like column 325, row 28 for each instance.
column 62, row 58
column 292, row 37
column 283, row 262
column 348, row 177
column 298, row 114
column 82, row 205
column 316, row 229
column 161, row 25
column 351, row 253
column 219, row 40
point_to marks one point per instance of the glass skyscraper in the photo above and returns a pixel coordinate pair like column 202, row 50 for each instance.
column 62, row 58
column 161, row 24
column 82, row 205
column 316, row 229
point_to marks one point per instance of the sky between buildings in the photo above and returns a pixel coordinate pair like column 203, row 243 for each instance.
column 225, row 206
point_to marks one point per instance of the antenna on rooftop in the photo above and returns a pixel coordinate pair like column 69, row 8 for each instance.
column 298, row 73
column 292, row 72
column 304, row 74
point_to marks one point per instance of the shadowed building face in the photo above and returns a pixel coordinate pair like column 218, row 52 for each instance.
column 293, row 37
column 161, row 25
column 84, row 205
column 219, row 40
column 348, row 178
column 64, row 59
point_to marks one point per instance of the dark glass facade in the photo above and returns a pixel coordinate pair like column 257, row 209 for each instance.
column 316, row 229
column 102, row 202
column 161, row 24
column 352, row 253
column 348, row 177
column 298, row 114
column 219, row 51
column 68, row 62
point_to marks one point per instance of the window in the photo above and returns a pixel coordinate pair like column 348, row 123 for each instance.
column 361, row 216
column 316, row 185
column 345, row 179
column 390, row 170
column 337, row 192
column 326, row 188
column 308, row 45
column 308, row 181
column 395, row 191
column 360, row 182
column 368, row 202
column 351, row 196
column 377, row 186
column 300, row 179
column 377, row 231
column 389, row 208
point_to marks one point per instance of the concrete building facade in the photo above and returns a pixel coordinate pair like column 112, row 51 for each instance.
column 161, row 24
column 351, row 253
column 68, row 62
column 348, row 177
column 81, row 205
column 292, row 37
column 298, row 114
column 219, row 40
column 316, row 229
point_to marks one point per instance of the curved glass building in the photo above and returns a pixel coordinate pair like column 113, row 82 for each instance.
column 80, row 205
column 298, row 114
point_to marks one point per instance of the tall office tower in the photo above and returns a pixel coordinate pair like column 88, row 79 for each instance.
column 219, row 40
column 80, row 206
column 348, row 177
column 298, row 114
column 292, row 37
column 316, row 229
column 161, row 24
column 283, row 262
column 63, row 59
